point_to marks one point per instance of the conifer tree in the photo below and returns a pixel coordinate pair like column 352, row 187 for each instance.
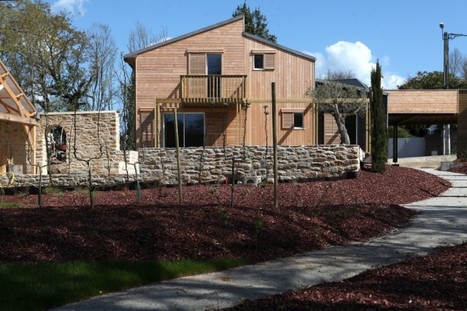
column 255, row 22
column 379, row 136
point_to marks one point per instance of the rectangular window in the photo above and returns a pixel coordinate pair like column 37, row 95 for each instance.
column 298, row 120
column 263, row 61
column 259, row 61
column 292, row 119
column 209, row 65
column 190, row 129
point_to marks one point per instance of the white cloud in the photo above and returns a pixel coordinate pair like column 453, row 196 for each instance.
column 344, row 56
column 74, row 7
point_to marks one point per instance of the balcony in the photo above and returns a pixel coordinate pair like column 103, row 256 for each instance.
column 209, row 89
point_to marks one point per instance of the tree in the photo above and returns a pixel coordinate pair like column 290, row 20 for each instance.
column 255, row 22
column 55, row 64
column 379, row 136
column 340, row 101
column 432, row 80
column 138, row 39
column 102, row 54
column 455, row 62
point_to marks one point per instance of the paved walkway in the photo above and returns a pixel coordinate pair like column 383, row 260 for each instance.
column 443, row 220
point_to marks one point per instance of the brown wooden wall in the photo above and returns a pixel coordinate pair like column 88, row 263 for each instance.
column 462, row 125
column 293, row 74
column 422, row 101
column 330, row 131
column 158, row 74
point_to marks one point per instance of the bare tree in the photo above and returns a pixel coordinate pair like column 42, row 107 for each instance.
column 141, row 38
column 102, row 55
column 138, row 39
column 456, row 59
column 340, row 101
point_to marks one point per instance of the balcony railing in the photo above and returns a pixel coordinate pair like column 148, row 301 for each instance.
column 213, row 88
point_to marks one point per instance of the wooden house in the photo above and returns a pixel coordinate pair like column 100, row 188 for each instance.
column 217, row 83
column 17, row 126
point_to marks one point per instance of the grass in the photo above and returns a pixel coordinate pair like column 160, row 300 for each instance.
column 9, row 204
column 44, row 286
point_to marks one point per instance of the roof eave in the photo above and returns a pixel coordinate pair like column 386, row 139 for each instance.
column 128, row 57
column 278, row 46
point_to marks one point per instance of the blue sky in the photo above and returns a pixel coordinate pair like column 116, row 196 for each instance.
column 343, row 35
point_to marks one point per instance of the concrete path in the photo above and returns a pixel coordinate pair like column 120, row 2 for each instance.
column 443, row 220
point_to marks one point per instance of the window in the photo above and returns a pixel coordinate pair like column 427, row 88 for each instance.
column 298, row 119
column 201, row 64
column 259, row 61
column 190, row 129
column 292, row 119
column 262, row 60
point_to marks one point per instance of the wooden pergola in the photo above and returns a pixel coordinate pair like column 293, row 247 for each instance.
column 17, row 121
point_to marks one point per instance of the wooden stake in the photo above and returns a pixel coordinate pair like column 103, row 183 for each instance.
column 274, row 145
column 177, row 147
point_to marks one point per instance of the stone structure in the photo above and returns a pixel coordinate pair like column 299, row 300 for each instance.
column 96, row 138
column 214, row 165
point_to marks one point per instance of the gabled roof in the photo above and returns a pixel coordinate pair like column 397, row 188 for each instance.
column 14, row 105
column 278, row 46
column 130, row 57
column 354, row 82
column 351, row 82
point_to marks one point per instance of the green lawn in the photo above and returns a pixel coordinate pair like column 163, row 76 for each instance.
column 44, row 286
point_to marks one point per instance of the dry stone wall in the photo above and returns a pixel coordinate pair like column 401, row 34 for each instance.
column 214, row 165
column 218, row 165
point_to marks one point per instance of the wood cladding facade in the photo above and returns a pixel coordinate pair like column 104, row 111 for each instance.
column 238, row 108
column 423, row 101
column 235, row 99
column 462, row 125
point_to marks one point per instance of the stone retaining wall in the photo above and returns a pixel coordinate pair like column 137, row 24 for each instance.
column 211, row 165
column 214, row 165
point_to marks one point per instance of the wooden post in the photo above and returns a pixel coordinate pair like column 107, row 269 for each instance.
column 177, row 147
column 274, row 145
column 157, row 125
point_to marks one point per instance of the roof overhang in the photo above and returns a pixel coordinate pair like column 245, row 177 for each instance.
column 14, row 105
column 421, row 118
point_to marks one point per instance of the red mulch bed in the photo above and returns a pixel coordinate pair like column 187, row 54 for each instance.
column 434, row 282
column 206, row 225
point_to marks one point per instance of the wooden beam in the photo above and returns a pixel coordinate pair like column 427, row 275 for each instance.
column 282, row 101
column 18, row 119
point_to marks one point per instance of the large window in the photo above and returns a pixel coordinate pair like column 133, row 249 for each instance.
column 190, row 129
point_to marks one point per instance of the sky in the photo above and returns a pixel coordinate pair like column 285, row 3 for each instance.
column 343, row 35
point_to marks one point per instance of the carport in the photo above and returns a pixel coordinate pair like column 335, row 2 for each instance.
column 17, row 126
column 425, row 107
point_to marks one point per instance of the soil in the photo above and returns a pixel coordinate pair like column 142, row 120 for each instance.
column 221, row 221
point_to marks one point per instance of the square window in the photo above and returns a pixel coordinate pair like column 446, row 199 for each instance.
column 292, row 120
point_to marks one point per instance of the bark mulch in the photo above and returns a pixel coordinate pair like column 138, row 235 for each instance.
column 219, row 221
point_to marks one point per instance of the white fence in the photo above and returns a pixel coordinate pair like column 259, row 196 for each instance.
column 408, row 147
